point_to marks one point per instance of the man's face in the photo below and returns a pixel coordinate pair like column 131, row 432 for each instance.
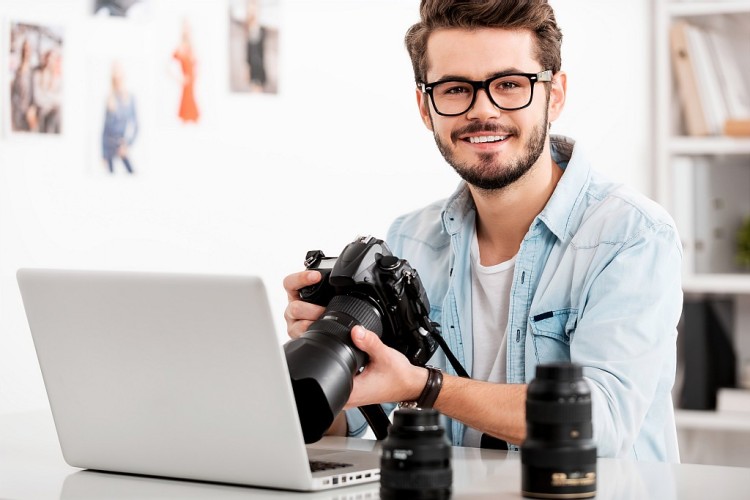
column 478, row 55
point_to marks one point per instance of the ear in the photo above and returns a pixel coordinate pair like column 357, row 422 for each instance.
column 558, row 89
column 423, row 101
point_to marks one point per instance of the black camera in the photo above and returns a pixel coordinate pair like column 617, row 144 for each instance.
column 366, row 285
column 415, row 458
column 558, row 457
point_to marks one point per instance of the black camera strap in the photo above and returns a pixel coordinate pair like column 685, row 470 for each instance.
column 460, row 371
column 377, row 419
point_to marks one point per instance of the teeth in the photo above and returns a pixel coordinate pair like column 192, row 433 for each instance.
column 487, row 138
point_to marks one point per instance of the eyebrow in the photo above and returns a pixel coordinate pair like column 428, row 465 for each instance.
column 507, row 71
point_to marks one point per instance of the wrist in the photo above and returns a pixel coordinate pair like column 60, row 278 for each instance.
column 425, row 396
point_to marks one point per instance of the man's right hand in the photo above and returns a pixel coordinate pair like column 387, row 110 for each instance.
column 300, row 314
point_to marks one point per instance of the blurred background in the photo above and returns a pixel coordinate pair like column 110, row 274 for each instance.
column 233, row 136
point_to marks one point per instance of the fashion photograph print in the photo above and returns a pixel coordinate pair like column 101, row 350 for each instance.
column 185, row 71
column 116, row 135
column 120, row 8
column 254, row 46
column 35, row 78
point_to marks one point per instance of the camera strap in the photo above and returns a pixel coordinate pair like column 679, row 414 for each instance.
column 460, row 371
column 377, row 419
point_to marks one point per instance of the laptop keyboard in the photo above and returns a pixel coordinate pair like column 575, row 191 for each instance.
column 319, row 465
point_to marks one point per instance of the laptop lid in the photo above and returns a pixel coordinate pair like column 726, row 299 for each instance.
column 175, row 375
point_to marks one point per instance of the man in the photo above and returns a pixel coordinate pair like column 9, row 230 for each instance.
column 534, row 259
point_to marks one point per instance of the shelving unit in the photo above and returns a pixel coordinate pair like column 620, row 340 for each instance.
column 681, row 160
column 712, row 421
column 704, row 182
column 713, row 438
column 707, row 146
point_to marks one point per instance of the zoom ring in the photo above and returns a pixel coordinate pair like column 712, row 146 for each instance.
column 363, row 312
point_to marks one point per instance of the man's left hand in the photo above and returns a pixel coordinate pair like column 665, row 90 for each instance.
column 388, row 377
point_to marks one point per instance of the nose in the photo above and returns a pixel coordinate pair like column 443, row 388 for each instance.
column 483, row 108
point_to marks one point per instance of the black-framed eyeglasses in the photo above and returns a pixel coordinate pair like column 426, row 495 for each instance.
column 507, row 91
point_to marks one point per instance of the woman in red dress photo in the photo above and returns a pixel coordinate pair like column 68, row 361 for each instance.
column 188, row 111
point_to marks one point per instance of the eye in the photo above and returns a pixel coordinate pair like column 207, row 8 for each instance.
column 507, row 85
column 453, row 89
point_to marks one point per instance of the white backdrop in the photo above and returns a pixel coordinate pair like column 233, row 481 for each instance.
column 261, row 179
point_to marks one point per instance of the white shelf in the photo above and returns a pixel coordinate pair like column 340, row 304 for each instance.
column 684, row 9
column 717, row 283
column 709, row 145
column 712, row 420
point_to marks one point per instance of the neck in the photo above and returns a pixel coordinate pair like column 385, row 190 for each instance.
column 505, row 215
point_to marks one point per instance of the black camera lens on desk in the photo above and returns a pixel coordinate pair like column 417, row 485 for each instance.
column 558, row 457
column 415, row 460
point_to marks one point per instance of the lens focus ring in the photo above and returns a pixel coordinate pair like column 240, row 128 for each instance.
column 364, row 312
column 560, row 457
column 551, row 412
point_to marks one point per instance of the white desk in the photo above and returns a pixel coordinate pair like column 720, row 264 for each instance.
column 31, row 466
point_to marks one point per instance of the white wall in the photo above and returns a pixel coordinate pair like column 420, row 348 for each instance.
column 339, row 152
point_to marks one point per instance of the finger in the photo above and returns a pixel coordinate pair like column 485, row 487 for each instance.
column 298, row 328
column 299, row 315
column 366, row 340
column 299, row 309
column 294, row 282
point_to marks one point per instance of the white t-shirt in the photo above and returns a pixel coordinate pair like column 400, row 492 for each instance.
column 490, row 300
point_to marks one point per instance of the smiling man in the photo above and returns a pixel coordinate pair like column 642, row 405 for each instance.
column 535, row 258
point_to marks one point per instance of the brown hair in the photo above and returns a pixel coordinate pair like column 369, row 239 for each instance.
column 534, row 15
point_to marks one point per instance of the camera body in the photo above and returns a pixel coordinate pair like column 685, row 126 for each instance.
column 365, row 285
column 367, row 269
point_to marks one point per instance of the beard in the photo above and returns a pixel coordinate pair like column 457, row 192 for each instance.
column 490, row 174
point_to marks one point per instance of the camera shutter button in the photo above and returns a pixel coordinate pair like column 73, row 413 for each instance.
column 389, row 262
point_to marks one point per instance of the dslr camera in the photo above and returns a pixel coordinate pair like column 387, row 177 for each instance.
column 365, row 285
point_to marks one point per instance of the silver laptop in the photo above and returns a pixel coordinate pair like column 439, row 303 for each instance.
column 174, row 375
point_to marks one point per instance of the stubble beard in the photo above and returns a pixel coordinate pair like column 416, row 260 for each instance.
column 488, row 173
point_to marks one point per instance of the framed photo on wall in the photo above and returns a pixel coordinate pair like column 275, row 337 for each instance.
column 254, row 46
column 133, row 9
column 117, row 86
column 187, row 75
column 34, row 78
column 185, row 60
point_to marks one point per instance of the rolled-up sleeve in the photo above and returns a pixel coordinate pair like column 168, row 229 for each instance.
column 626, row 341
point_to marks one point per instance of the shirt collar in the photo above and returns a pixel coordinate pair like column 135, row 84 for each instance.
column 557, row 215
column 561, row 209
column 456, row 208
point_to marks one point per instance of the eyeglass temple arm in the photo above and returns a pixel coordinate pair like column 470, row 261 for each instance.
column 544, row 76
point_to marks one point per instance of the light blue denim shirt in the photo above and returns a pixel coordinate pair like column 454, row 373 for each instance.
column 597, row 282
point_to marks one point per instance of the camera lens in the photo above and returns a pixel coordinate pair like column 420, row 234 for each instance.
column 558, row 458
column 415, row 461
column 323, row 361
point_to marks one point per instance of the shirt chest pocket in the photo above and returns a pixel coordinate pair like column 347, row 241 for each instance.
column 551, row 334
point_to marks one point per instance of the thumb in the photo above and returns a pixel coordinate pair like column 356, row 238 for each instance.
column 366, row 340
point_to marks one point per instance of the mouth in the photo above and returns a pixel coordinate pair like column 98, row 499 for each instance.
column 484, row 137
column 481, row 139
